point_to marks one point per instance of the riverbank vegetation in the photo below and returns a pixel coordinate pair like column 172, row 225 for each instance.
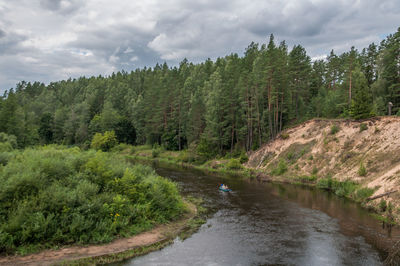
column 53, row 195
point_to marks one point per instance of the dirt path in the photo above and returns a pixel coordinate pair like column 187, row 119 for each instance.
column 50, row 257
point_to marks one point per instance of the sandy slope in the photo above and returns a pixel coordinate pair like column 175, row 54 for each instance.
column 312, row 147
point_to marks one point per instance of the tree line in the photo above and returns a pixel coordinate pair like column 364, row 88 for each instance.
column 235, row 102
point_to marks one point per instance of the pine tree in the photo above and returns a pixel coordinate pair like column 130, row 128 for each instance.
column 361, row 104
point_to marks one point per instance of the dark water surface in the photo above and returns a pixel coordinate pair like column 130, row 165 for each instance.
column 272, row 224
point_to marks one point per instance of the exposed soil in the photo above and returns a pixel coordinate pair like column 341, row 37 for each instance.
column 50, row 257
column 312, row 148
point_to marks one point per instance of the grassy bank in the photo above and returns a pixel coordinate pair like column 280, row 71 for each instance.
column 187, row 225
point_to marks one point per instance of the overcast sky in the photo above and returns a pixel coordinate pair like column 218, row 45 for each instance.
column 50, row 40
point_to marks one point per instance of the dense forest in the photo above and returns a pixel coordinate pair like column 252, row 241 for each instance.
column 234, row 103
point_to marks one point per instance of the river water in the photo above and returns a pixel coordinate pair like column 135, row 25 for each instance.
column 272, row 224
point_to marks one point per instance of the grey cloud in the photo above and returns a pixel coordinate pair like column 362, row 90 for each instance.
column 10, row 43
column 62, row 6
column 55, row 39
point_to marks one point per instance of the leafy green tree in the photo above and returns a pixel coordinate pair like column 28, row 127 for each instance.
column 104, row 141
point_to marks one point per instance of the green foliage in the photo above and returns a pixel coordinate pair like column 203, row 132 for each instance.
column 46, row 128
column 314, row 170
column 55, row 196
column 345, row 189
column 206, row 149
column 362, row 171
column 363, row 193
column 307, row 179
column 325, row 183
column 382, row 205
column 4, row 157
column 334, row 129
column 7, row 142
column 156, row 150
column 234, row 164
column 243, row 157
column 285, row 135
column 398, row 112
column 280, row 169
column 363, row 127
column 342, row 189
column 361, row 104
column 104, row 142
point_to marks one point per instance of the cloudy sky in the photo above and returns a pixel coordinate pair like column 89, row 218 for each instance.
column 50, row 40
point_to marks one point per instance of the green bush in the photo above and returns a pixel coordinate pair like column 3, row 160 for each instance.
column 363, row 193
column 156, row 150
column 280, row 169
column 55, row 196
column 398, row 113
column 382, row 205
column 307, row 179
column 104, row 142
column 342, row 189
column 325, row 183
column 5, row 157
column 363, row 127
column 234, row 164
column 285, row 135
column 362, row 171
column 5, row 147
column 334, row 129
column 10, row 139
column 243, row 157
column 206, row 149
column 314, row 170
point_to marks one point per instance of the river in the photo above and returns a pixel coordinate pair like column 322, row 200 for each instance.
column 272, row 224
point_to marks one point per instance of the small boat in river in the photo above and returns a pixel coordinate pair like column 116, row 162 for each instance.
column 224, row 188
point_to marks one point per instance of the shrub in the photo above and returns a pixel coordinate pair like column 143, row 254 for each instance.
column 4, row 157
column 363, row 127
column 10, row 139
column 314, row 170
column 234, row 164
column 55, row 196
column 156, row 150
column 285, row 135
column 363, row 193
column 382, row 205
column 334, row 129
column 243, row 157
column 206, row 149
column 280, row 169
column 362, row 171
column 5, row 147
column 398, row 113
column 104, row 141
column 307, row 179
